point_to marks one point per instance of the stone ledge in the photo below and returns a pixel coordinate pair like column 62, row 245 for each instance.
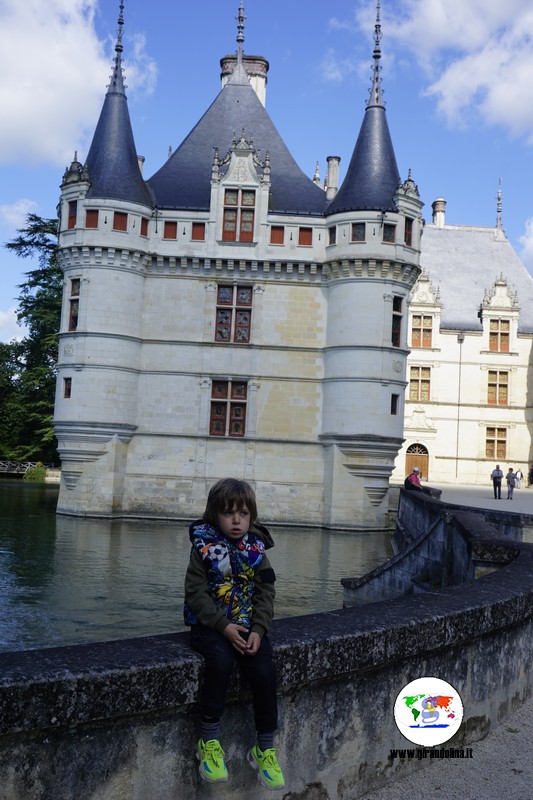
column 59, row 687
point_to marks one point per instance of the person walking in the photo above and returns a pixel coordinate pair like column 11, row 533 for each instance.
column 519, row 477
column 497, row 477
column 511, row 480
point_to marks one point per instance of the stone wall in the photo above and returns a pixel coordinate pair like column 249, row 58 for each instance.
column 118, row 720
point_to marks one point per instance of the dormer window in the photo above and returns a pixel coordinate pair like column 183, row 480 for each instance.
column 239, row 215
column 499, row 330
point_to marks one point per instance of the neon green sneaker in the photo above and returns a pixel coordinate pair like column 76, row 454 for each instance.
column 268, row 770
column 212, row 765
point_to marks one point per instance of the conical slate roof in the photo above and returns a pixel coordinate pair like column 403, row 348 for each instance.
column 372, row 177
column 184, row 181
column 112, row 159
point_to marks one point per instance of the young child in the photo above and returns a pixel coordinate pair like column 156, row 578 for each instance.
column 229, row 604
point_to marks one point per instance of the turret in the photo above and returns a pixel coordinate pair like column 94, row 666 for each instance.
column 372, row 256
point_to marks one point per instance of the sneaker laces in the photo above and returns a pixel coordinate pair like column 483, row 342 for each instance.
column 269, row 758
column 214, row 751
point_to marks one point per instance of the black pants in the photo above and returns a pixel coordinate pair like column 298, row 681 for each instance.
column 220, row 659
column 497, row 488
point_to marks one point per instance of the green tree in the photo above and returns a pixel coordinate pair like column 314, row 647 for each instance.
column 28, row 367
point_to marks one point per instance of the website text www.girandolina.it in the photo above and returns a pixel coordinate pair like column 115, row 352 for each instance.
column 429, row 752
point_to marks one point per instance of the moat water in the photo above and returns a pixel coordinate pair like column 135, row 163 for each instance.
column 68, row 580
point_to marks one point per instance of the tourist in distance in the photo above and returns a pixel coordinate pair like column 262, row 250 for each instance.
column 413, row 480
column 511, row 480
column 229, row 604
column 497, row 477
column 519, row 475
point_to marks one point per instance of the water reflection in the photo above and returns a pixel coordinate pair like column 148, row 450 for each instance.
column 67, row 580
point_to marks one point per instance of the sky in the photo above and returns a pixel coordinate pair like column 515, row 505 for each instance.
column 457, row 80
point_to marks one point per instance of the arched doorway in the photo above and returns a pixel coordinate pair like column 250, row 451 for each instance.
column 417, row 456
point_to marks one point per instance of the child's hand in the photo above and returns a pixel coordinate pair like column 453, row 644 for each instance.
column 254, row 643
column 233, row 633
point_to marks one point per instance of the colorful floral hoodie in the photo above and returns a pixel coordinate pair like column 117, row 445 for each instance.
column 229, row 580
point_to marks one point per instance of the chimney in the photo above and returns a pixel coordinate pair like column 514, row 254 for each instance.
column 439, row 212
column 332, row 177
column 256, row 68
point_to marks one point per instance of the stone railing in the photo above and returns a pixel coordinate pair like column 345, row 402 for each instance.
column 119, row 719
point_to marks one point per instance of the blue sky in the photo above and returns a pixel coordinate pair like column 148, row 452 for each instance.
column 457, row 80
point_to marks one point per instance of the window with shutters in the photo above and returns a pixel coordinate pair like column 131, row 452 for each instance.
column 91, row 218
column 239, row 215
column 422, row 330
column 233, row 314
column 496, row 443
column 305, row 237
column 198, row 232
column 228, row 408
column 499, row 330
column 498, row 388
column 170, row 230
column 277, row 234
column 120, row 221
column 144, row 226
column 420, row 384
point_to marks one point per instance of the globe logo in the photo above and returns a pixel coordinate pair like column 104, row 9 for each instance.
column 428, row 711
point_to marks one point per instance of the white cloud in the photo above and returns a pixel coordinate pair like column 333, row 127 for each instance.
column 475, row 57
column 9, row 327
column 13, row 216
column 49, row 96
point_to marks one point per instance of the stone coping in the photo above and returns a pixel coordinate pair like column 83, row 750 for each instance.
column 84, row 684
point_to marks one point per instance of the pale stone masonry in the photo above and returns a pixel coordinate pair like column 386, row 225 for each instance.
column 469, row 403
column 229, row 316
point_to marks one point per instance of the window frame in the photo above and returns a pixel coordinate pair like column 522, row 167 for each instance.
column 238, row 216
column 120, row 221
column 229, row 408
column 498, row 386
column 421, row 341
column 92, row 215
column 408, row 231
column 499, row 335
column 72, row 217
column 196, row 229
column 170, row 229
column 305, row 236
column 277, row 232
column 357, row 225
column 419, row 383
column 495, row 443
column 389, row 233
column 396, row 323
column 234, row 315
column 67, row 388
column 74, row 304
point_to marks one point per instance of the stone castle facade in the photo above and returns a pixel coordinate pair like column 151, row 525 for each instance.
column 231, row 316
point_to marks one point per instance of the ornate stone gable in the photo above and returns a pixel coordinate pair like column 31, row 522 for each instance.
column 500, row 297
column 424, row 293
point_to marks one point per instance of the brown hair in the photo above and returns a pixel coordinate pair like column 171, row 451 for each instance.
column 227, row 494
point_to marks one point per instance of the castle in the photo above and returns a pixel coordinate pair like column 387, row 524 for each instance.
column 231, row 316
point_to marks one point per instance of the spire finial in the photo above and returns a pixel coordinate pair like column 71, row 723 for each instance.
column 241, row 19
column 118, row 47
column 375, row 98
column 499, row 206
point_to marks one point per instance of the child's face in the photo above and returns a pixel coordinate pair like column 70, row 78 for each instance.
column 234, row 524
